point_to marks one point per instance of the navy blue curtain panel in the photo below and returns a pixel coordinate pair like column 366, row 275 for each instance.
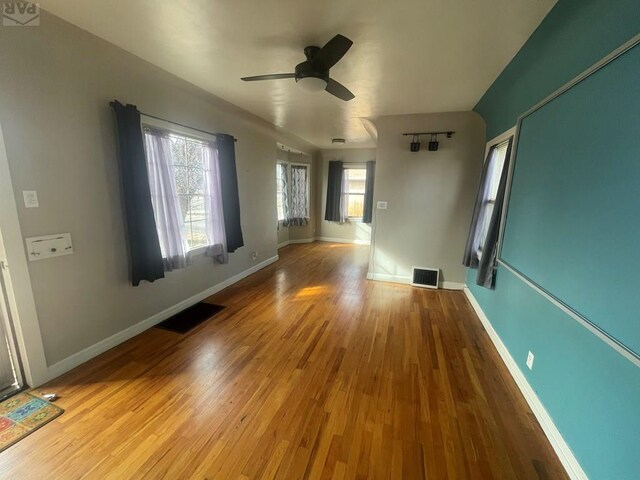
column 230, row 198
column 145, row 256
column 367, row 215
column 334, row 192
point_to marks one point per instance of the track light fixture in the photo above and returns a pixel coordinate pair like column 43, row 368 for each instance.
column 433, row 143
column 415, row 144
column 433, row 140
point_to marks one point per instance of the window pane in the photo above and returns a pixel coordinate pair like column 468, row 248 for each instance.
column 496, row 159
column 182, row 180
column 281, row 172
column 355, row 205
column 198, row 236
column 197, row 208
column 356, row 179
column 299, row 203
column 196, row 181
column 178, row 150
column 194, row 154
column 184, row 206
column 188, row 164
column 355, row 187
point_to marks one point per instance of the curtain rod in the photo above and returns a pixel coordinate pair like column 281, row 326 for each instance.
column 176, row 123
column 184, row 126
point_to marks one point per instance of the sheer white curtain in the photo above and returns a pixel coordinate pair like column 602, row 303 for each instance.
column 164, row 197
column 214, row 213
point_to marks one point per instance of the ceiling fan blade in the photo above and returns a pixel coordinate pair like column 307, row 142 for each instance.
column 339, row 90
column 274, row 76
column 332, row 52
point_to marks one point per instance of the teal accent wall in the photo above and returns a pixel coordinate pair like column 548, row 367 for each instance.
column 572, row 37
column 591, row 391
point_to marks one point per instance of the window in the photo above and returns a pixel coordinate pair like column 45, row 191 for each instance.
column 185, row 187
column 299, row 201
column 496, row 158
column 292, row 193
column 187, row 162
column 353, row 190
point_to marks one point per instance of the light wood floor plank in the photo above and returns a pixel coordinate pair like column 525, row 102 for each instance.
column 310, row 372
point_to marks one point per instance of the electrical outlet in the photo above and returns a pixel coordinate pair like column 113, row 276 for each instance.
column 254, row 255
column 530, row 358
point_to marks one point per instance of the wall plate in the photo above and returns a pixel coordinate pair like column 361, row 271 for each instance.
column 47, row 246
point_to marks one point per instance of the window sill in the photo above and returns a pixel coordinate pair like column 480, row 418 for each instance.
column 198, row 251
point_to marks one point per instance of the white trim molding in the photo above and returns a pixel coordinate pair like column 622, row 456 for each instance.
column 96, row 349
column 295, row 241
column 559, row 445
column 382, row 277
column 343, row 240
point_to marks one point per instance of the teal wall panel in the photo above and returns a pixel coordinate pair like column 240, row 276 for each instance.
column 572, row 225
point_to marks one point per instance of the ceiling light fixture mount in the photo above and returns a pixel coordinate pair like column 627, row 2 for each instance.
column 433, row 145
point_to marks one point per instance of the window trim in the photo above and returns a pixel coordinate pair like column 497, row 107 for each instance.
column 146, row 121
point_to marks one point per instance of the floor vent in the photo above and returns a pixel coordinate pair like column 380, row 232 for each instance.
column 425, row 277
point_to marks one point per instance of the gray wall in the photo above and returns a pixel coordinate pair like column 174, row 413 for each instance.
column 350, row 231
column 430, row 195
column 57, row 81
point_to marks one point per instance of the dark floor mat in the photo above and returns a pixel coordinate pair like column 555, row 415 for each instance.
column 190, row 318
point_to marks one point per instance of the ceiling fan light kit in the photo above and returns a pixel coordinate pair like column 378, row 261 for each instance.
column 312, row 84
column 313, row 74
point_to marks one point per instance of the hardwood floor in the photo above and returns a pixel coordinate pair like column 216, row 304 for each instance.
column 311, row 372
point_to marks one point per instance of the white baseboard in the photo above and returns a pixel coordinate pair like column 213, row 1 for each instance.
column 381, row 277
column 343, row 240
column 301, row 240
column 562, row 449
column 295, row 241
column 453, row 285
column 96, row 349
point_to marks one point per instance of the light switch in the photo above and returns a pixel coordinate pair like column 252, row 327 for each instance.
column 39, row 248
column 381, row 205
column 30, row 198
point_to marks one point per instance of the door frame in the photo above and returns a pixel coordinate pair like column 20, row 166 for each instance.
column 20, row 301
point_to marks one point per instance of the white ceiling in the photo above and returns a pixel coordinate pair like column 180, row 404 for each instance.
column 409, row 56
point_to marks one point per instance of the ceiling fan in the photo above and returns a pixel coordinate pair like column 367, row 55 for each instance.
column 313, row 74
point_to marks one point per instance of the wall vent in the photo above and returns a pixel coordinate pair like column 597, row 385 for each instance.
column 425, row 277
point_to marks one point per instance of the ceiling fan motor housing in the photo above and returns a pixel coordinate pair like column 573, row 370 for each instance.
column 308, row 69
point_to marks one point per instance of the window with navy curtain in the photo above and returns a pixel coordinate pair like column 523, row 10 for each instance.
column 482, row 243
